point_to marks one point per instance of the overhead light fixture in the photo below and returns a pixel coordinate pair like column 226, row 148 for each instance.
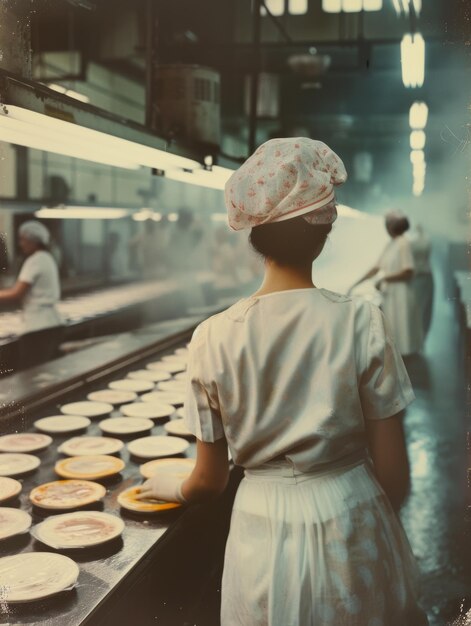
column 417, row 156
column 156, row 217
column 43, row 132
column 403, row 6
column 351, row 6
column 172, row 217
column 276, row 7
column 298, row 7
column 81, row 212
column 418, row 115
column 142, row 216
column 413, row 60
column 417, row 140
column 214, row 179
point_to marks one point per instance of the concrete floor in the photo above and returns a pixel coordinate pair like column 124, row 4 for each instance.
column 435, row 516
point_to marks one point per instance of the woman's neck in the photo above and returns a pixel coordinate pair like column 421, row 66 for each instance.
column 284, row 278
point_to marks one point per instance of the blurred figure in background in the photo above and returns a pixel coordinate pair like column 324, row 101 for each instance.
column 394, row 272
column 38, row 290
column 117, row 261
column 422, row 281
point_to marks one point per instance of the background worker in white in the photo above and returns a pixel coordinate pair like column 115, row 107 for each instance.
column 301, row 384
column 37, row 289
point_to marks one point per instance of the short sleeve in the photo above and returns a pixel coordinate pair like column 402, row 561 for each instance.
column 29, row 272
column 202, row 414
column 385, row 387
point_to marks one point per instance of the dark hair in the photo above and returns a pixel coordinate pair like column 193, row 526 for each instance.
column 399, row 226
column 292, row 242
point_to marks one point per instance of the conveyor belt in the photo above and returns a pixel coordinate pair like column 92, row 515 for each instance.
column 103, row 571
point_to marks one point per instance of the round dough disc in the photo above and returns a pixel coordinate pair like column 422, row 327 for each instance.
column 89, row 467
column 86, row 445
column 178, row 467
column 172, row 385
column 17, row 464
column 154, row 447
column 112, row 396
column 166, row 366
column 36, row 575
column 149, row 410
column 9, row 488
column 81, row 529
column 87, row 408
column 13, row 522
column 126, row 425
column 129, row 384
column 62, row 423
column 24, row 442
column 176, row 398
column 127, row 499
column 152, row 375
column 67, row 494
column 178, row 427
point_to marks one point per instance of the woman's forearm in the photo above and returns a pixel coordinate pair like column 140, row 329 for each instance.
column 198, row 489
column 403, row 276
column 372, row 272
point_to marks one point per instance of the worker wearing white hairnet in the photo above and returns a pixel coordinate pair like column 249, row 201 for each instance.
column 38, row 290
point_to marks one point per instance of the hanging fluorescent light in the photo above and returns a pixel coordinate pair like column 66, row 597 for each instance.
column 97, row 143
column 403, row 6
column 417, row 156
column 417, row 140
column 418, row 115
column 215, row 179
column 413, row 60
column 276, row 7
column 351, row 6
column 81, row 212
column 172, row 217
column 332, row 6
column 298, row 7
column 156, row 217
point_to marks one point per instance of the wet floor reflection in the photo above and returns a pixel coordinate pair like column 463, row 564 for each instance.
column 435, row 516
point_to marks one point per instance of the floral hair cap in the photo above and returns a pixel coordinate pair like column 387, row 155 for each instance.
column 283, row 179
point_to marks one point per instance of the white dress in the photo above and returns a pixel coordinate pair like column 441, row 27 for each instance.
column 289, row 379
column 422, row 282
column 39, row 305
column 399, row 300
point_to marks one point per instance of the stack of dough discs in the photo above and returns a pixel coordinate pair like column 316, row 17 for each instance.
column 13, row 522
column 149, row 410
column 127, row 499
column 178, row 427
column 67, row 494
column 130, row 384
column 160, row 366
column 81, row 529
column 152, row 375
column 176, row 398
column 178, row 467
column 126, row 425
column 84, row 446
column 9, row 488
column 87, row 408
column 58, row 424
column 89, row 467
column 172, row 385
column 154, row 447
column 36, row 575
column 24, row 442
column 112, row 396
column 17, row 464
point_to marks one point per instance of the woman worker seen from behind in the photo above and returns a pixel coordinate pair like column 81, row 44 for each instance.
column 307, row 389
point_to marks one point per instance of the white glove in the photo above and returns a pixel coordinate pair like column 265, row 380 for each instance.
column 162, row 486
